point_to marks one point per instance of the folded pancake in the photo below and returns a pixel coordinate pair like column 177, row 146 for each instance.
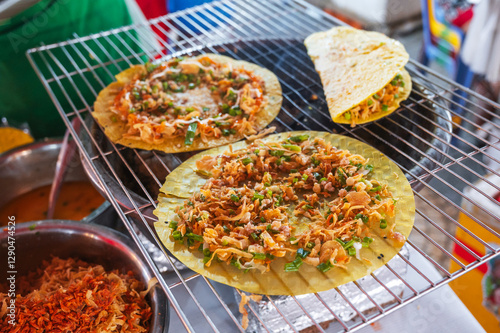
column 362, row 73
column 188, row 104
column 290, row 214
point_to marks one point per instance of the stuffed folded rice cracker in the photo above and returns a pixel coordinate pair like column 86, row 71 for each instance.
column 362, row 73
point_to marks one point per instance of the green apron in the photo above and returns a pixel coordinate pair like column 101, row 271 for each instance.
column 22, row 96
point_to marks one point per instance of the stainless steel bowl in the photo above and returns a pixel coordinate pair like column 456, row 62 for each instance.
column 31, row 166
column 38, row 241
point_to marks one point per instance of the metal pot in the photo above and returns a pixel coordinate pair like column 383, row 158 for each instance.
column 38, row 241
column 31, row 166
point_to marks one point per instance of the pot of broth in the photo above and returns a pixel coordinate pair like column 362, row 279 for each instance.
column 26, row 175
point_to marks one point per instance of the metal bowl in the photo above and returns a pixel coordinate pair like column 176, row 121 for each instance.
column 31, row 166
column 38, row 241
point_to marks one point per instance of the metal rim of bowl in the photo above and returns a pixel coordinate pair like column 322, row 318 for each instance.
column 5, row 156
column 158, row 301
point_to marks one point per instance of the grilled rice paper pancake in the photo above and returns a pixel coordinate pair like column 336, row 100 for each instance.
column 362, row 73
column 188, row 104
column 319, row 217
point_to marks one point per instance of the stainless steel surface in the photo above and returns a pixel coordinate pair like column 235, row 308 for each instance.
column 31, row 166
column 270, row 33
column 38, row 241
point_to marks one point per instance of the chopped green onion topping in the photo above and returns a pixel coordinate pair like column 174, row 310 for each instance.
column 227, row 132
column 315, row 161
column 324, row 267
column 235, row 111
column 383, row 224
column 375, row 189
column 173, row 224
column 351, row 251
column 304, row 177
column 369, row 102
column 367, row 241
column 341, row 176
column 347, row 116
column 291, row 147
column 385, row 108
column 310, row 245
column 226, row 229
column 277, row 153
column 246, row 161
column 195, row 237
column 254, row 236
column 376, row 96
column 191, row 132
column 299, row 138
column 151, row 67
column 302, row 253
column 369, row 167
column 294, row 265
column 177, row 235
column 257, row 196
column 348, row 244
column 260, row 256
column 235, row 198
column 363, row 218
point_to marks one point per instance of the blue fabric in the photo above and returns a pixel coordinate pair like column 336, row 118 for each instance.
column 176, row 5
column 187, row 20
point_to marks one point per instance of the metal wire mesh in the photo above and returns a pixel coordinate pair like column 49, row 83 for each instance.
column 440, row 138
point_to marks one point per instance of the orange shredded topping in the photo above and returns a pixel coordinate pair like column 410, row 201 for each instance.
column 246, row 213
column 74, row 296
column 381, row 101
column 190, row 97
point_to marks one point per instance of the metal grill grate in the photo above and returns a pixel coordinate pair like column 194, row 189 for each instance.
column 417, row 137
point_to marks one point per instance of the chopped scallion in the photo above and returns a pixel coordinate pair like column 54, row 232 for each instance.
column 299, row 138
column 294, row 265
column 177, row 235
column 191, row 132
column 291, row 147
column 259, row 256
column 246, row 161
column 324, row 267
column 302, row 253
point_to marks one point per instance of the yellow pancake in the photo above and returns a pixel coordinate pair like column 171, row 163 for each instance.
column 114, row 127
column 355, row 64
column 184, row 181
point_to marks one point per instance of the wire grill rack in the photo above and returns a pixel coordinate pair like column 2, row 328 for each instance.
column 439, row 156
